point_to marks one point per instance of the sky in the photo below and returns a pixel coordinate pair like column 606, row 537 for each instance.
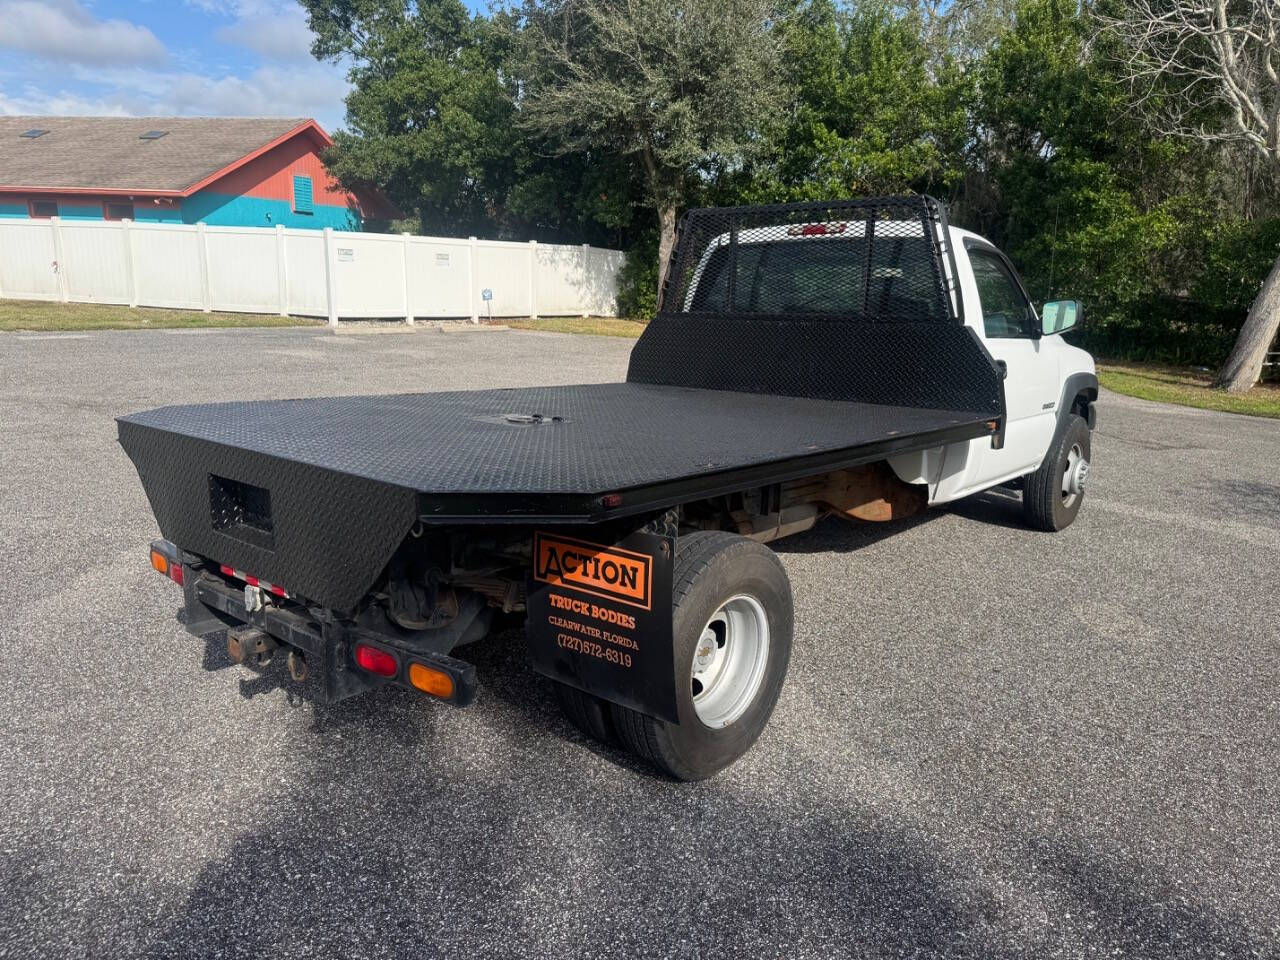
column 164, row 57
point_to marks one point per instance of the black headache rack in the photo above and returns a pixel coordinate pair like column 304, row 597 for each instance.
column 792, row 340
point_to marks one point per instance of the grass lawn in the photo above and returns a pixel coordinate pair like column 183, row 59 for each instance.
column 1189, row 387
column 41, row 315
column 601, row 326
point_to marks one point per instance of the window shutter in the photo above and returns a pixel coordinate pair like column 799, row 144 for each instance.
column 301, row 194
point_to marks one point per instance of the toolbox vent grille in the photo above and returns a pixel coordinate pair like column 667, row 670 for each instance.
column 241, row 510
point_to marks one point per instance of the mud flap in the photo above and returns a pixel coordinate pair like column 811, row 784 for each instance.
column 599, row 618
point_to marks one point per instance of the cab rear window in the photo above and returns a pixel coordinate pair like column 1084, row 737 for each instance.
column 824, row 277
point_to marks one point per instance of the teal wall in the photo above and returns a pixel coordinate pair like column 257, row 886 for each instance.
column 144, row 211
column 215, row 209
column 225, row 210
column 68, row 211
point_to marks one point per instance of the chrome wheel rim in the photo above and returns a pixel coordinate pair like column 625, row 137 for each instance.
column 1075, row 475
column 729, row 661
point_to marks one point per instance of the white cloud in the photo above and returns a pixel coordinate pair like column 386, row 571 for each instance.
column 280, row 35
column 64, row 31
column 298, row 90
column 312, row 90
column 63, row 103
column 273, row 32
column 241, row 8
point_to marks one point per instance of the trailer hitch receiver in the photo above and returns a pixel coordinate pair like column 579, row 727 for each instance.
column 249, row 645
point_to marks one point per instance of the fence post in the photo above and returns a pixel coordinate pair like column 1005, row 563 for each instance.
column 60, row 265
column 533, row 279
column 404, row 253
column 586, row 277
column 126, row 240
column 202, row 251
column 330, row 278
column 471, row 280
column 282, row 269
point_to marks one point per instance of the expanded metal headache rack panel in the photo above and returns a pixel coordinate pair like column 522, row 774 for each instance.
column 874, row 259
column 846, row 300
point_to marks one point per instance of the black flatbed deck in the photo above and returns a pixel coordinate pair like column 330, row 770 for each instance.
column 654, row 444
column 318, row 494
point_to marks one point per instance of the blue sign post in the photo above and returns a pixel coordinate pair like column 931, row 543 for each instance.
column 487, row 296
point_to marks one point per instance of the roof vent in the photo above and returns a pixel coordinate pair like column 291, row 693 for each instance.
column 33, row 133
column 154, row 135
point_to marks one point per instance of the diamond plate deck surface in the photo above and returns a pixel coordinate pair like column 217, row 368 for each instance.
column 613, row 436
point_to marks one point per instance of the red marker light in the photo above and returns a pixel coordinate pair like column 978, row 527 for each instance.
column 611, row 500
column 816, row 229
column 376, row 661
column 161, row 562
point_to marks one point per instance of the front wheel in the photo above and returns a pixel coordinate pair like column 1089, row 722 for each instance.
column 1051, row 496
column 732, row 626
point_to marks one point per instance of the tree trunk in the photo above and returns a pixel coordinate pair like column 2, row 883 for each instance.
column 1244, row 366
column 666, row 240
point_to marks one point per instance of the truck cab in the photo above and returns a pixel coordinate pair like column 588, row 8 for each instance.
column 884, row 272
column 1046, row 379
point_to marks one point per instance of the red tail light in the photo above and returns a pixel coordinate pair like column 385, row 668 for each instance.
column 164, row 560
column 376, row 661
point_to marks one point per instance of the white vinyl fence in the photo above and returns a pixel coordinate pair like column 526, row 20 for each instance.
column 310, row 273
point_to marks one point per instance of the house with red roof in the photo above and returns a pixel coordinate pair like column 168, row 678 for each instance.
column 222, row 171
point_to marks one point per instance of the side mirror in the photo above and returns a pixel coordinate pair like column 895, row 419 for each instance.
column 1059, row 316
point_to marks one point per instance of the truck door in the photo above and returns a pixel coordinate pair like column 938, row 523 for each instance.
column 1031, row 383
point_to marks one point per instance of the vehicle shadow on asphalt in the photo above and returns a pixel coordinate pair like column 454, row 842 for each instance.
column 998, row 508
column 1001, row 508
column 395, row 842
column 841, row 535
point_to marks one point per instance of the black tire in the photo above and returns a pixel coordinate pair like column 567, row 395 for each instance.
column 588, row 713
column 712, row 568
column 1043, row 503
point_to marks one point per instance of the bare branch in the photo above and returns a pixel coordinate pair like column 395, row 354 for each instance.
column 1207, row 70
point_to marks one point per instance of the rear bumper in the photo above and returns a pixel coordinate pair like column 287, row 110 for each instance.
column 325, row 643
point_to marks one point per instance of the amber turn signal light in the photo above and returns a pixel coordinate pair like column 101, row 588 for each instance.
column 162, row 563
column 430, row 680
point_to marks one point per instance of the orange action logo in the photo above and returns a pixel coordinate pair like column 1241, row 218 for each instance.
column 593, row 568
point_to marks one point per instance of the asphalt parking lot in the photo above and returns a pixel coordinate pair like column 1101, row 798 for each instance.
column 992, row 743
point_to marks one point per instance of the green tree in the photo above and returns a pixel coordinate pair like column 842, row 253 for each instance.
column 429, row 110
column 867, row 115
column 680, row 88
column 1208, row 71
column 1065, row 178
